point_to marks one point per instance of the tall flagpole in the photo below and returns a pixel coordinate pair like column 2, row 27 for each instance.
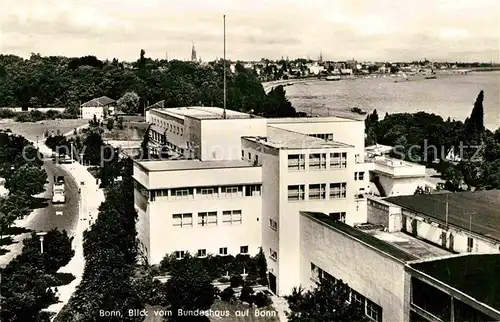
column 447, row 209
column 224, row 114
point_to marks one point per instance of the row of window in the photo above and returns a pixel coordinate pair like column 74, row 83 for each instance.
column 162, row 139
column 256, row 160
column 203, row 252
column 317, row 191
column 324, row 136
column 206, row 192
column 169, row 127
column 317, row 161
column 371, row 309
column 229, row 217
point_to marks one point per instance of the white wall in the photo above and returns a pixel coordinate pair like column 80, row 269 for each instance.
column 205, row 177
column 89, row 112
column 400, row 186
column 377, row 277
column 222, row 138
column 166, row 238
column 270, row 197
column 345, row 131
column 288, row 258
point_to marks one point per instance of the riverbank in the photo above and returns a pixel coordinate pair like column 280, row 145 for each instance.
column 447, row 95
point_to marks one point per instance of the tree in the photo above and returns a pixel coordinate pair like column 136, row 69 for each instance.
column 93, row 146
column 28, row 179
column 145, row 155
column 261, row 261
column 128, row 103
column 13, row 207
column 110, row 123
column 474, row 125
column 189, row 287
column 327, row 302
column 120, row 123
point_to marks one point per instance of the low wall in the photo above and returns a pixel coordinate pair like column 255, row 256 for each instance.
column 42, row 109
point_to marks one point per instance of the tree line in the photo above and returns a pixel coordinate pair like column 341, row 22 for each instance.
column 58, row 81
column 428, row 139
column 29, row 281
column 24, row 177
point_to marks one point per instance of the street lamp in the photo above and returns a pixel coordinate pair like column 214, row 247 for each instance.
column 41, row 235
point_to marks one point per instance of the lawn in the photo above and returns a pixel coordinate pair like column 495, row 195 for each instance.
column 31, row 130
column 229, row 311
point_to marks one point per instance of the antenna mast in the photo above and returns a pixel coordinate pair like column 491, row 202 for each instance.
column 224, row 114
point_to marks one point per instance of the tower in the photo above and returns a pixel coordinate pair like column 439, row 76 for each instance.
column 193, row 53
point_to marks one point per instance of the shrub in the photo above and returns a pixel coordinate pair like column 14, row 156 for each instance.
column 247, row 294
column 250, row 282
column 236, row 280
column 227, row 295
column 262, row 281
column 261, row 300
column 6, row 114
column 223, row 280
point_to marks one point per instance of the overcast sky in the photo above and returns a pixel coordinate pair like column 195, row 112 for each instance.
column 388, row 30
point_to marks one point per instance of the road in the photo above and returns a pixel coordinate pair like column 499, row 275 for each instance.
column 48, row 218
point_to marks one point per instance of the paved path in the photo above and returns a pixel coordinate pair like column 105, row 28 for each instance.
column 47, row 218
column 91, row 198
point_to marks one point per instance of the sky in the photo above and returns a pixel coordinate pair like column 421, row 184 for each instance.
column 366, row 30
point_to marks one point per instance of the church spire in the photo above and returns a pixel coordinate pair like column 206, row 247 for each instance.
column 193, row 53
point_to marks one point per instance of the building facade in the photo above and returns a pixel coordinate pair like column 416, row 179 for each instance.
column 98, row 107
column 267, row 170
column 397, row 277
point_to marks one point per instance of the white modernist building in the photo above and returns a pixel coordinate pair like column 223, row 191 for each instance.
column 393, row 177
column 240, row 182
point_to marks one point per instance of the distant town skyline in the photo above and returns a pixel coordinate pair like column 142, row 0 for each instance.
column 366, row 30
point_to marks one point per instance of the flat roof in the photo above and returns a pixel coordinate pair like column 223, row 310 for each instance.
column 203, row 112
column 284, row 120
column 285, row 139
column 410, row 244
column 480, row 209
column 172, row 165
column 396, row 163
column 377, row 243
column 474, row 274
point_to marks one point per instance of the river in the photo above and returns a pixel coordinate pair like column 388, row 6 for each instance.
column 448, row 95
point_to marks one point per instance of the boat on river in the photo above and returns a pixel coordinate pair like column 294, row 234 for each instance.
column 357, row 110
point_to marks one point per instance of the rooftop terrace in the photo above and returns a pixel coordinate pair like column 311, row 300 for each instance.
column 474, row 274
column 409, row 244
column 480, row 210
column 173, row 165
column 379, row 244
column 284, row 139
column 203, row 112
